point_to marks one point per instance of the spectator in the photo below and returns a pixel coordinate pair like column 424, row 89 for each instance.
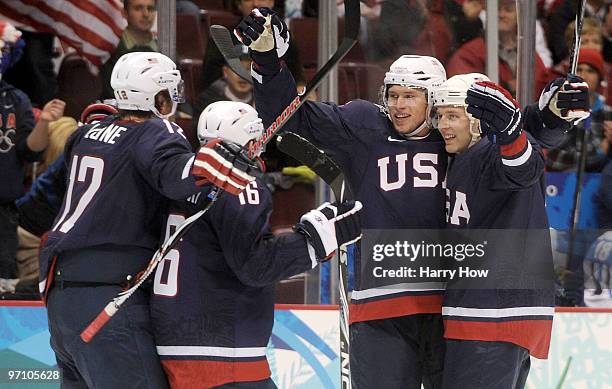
column 140, row 16
column 213, row 60
column 411, row 27
column 20, row 141
column 561, row 16
column 563, row 158
column 604, row 195
column 590, row 38
column 34, row 74
column 228, row 87
column 607, row 33
column 29, row 242
column 471, row 57
column 464, row 20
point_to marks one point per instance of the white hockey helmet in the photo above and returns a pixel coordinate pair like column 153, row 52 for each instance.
column 231, row 121
column 137, row 78
column 453, row 92
column 415, row 71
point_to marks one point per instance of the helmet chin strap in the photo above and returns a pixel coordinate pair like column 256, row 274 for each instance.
column 413, row 134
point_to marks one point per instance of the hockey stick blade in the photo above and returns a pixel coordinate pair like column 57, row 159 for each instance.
column 223, row 39
column 308, row 154
column 231, row 53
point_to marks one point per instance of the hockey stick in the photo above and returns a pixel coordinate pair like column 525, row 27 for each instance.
column 223, row 39
column 575, row 217
column 577, row 38
column 226, row 46
column 305, row 152
column 112, row 307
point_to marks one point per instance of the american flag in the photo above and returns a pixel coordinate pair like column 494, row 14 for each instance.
column 92, row 27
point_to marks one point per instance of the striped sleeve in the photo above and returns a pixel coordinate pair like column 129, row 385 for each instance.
column 516, row 153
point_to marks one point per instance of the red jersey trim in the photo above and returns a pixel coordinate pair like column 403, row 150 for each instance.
column 395, row 307
column 187, row 374
column 513, row 149
column 534, row 335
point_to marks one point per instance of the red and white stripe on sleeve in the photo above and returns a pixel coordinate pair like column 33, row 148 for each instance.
column 517, row 152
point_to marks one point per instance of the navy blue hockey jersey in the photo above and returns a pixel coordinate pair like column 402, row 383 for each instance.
column 120, row 175
column 213, row 304
column 494, row 188
column 398, row 181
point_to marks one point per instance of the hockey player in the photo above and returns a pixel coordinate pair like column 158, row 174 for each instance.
column 213, row 297
column 396, row 165
column 392, row 159
column 121, row 172
column 495, row 182
column 40, row 206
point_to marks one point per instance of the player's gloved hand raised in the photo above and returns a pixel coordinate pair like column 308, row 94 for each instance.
column 262, row 31
column 225, row 165
column 566, row 99
column 499, row 113
column 330, row 226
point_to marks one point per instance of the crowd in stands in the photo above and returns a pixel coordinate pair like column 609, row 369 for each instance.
column 450, row 30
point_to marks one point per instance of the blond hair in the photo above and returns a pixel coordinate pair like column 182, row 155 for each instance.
column 589, row 26
column 59, row 132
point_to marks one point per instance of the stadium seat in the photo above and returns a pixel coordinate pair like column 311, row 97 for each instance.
column 290, row 205
column 77, row 86
column 365, row 78
column 205, row 27
column 190, row 133
column 189, row 40
column 357, row 53
column 307, row 31
column 347, row 87
column 210, row 4
column 191, row 70
column 223, row 18
column 291, row 290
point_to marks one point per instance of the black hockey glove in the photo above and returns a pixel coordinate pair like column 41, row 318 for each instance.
column 331, row 226
column 499, row 113
column 263, row 31
column 565, row 99
column 225, row 165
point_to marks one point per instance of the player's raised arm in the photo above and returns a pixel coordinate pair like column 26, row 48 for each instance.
column 267, row 37
column 521, row 161
column 563, row 103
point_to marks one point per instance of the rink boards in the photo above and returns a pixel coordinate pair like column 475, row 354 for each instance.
column 303, row 351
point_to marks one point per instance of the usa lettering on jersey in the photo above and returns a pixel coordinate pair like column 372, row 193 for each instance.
column 422, row 163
